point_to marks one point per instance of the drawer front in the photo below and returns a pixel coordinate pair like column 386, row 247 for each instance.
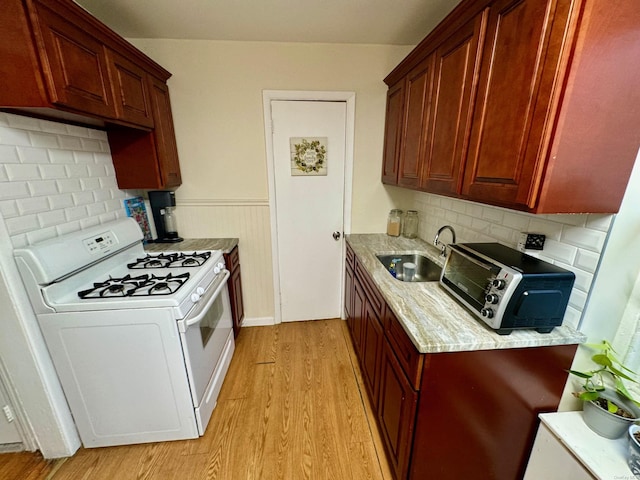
column 409, row 358
column 374, row 296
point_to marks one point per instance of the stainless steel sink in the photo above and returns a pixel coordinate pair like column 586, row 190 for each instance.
column 426, row 270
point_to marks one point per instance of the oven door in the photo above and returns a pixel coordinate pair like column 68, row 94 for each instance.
column 207, row 342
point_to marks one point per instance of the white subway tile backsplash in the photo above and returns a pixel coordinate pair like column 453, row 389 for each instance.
column 573, row 242
column 69, row 185
column 43, row 187
column 14, row 190
column 43, row 140
column 4, row 119
column 584, row 238
column 82, row 198
column 103, row 158
column 61, row 156
column 78, row 131
column 89, row 222
column 102, row 194
column 9, row 208
column 98, row 134
column 19, row 241
column 108, row 182
column 22, row 224
column 76, row 171
column 15, row 137
column 41, row 235
column 29, row 155
column 70, row 143
column 587, row 261
column 96, row 209
column 18, row 171
column 53, row 127
column 91, row 145
column 90, row 184
column 96, row 170
column 52, row 171
column 3, row 175
column 69, row 227
column 64, row 200
column 84, row 157
column 104, row 146
column 76, row 213
column 9, row 154
column 32, row 205
column 20, row 121
column 51, row 218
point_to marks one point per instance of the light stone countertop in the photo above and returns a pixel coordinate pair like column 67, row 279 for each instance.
column 434, row 321
column 192, row 244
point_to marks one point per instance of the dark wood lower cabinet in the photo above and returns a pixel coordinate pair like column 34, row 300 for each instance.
column 453, row 415
column 397, row 403
column 232, row 261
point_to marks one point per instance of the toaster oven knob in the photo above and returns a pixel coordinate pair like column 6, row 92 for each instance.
column 499, row 284
column 492, row 298
column 486, row 312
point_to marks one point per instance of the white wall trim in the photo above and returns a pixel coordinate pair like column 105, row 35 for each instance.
column 258, row 322
column 267, row 97
column 224, row 202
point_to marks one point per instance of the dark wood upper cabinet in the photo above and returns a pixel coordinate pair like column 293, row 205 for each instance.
column 131, row 90
column 74, row 64
column 534, row 104
column 393, row 133
column 446, row 142
column 416, row 108
column 59, row 62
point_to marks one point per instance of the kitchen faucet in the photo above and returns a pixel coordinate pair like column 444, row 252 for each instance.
column 443, row 252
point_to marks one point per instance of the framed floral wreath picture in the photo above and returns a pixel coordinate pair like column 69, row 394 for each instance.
column 308, row 155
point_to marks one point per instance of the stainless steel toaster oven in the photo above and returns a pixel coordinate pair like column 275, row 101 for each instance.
column 505, row 288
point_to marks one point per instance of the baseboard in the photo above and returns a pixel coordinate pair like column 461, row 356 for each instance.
column 258, row 322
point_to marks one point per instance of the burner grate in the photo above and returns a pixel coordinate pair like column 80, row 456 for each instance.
column 170, row 260
column 140, row 286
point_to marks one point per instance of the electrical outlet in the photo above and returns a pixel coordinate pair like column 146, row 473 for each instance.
column 531, row 241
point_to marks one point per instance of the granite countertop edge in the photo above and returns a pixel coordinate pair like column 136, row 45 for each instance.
column 432, row 319
column 193, row 244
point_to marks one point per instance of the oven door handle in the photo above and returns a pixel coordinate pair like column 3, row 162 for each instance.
column 198, row 318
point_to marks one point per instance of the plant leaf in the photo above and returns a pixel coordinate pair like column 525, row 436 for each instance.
column 588, row 396
column 622, row 374
column 602, row 359
column 580, row 374
column 611, row 407
column 599, row 346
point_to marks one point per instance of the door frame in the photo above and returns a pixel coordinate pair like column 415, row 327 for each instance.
column 302, row 95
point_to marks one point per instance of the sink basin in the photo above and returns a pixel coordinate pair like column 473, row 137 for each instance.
column 426, row 270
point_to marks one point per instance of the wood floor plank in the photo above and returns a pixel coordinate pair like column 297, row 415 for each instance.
column 292, row 407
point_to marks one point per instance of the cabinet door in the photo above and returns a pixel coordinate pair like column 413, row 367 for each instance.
column 237, row 305
column 456, row 67
column 393, row 133
column 359, row 300
column 416, row 112
column 165, row 137
column 519, row 68
column 372, row 338
column 348, row 292
column 396, row 412
column 130, row 89
column 74, row 65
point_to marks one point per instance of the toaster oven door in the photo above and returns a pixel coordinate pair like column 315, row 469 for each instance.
column 468, row 278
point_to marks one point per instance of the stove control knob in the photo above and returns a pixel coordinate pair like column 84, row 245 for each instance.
column 218, row 268
column 199, row 290
column 195, row 297
column 487, row 312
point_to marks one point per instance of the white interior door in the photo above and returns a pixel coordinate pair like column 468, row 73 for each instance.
column 309, row 206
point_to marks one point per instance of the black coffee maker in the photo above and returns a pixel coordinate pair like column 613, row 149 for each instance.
column 163, row 203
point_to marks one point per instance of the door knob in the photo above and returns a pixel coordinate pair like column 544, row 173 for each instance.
column 336, row 236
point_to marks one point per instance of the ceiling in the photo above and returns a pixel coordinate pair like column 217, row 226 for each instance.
column 387, row 22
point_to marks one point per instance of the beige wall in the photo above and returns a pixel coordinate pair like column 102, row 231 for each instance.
column 216, row 96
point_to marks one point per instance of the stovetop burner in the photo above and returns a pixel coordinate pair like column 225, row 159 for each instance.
column 171, row 260
column 140, row 286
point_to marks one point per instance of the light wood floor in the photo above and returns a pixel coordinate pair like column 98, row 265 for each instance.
column 293, row 406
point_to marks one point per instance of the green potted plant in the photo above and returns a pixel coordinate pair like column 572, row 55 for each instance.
column 608, row 406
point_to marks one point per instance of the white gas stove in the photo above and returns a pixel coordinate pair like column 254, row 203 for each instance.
column 141, row 342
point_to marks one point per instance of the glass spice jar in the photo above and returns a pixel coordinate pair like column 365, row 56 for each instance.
column 410, row 226
column 394, row 223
